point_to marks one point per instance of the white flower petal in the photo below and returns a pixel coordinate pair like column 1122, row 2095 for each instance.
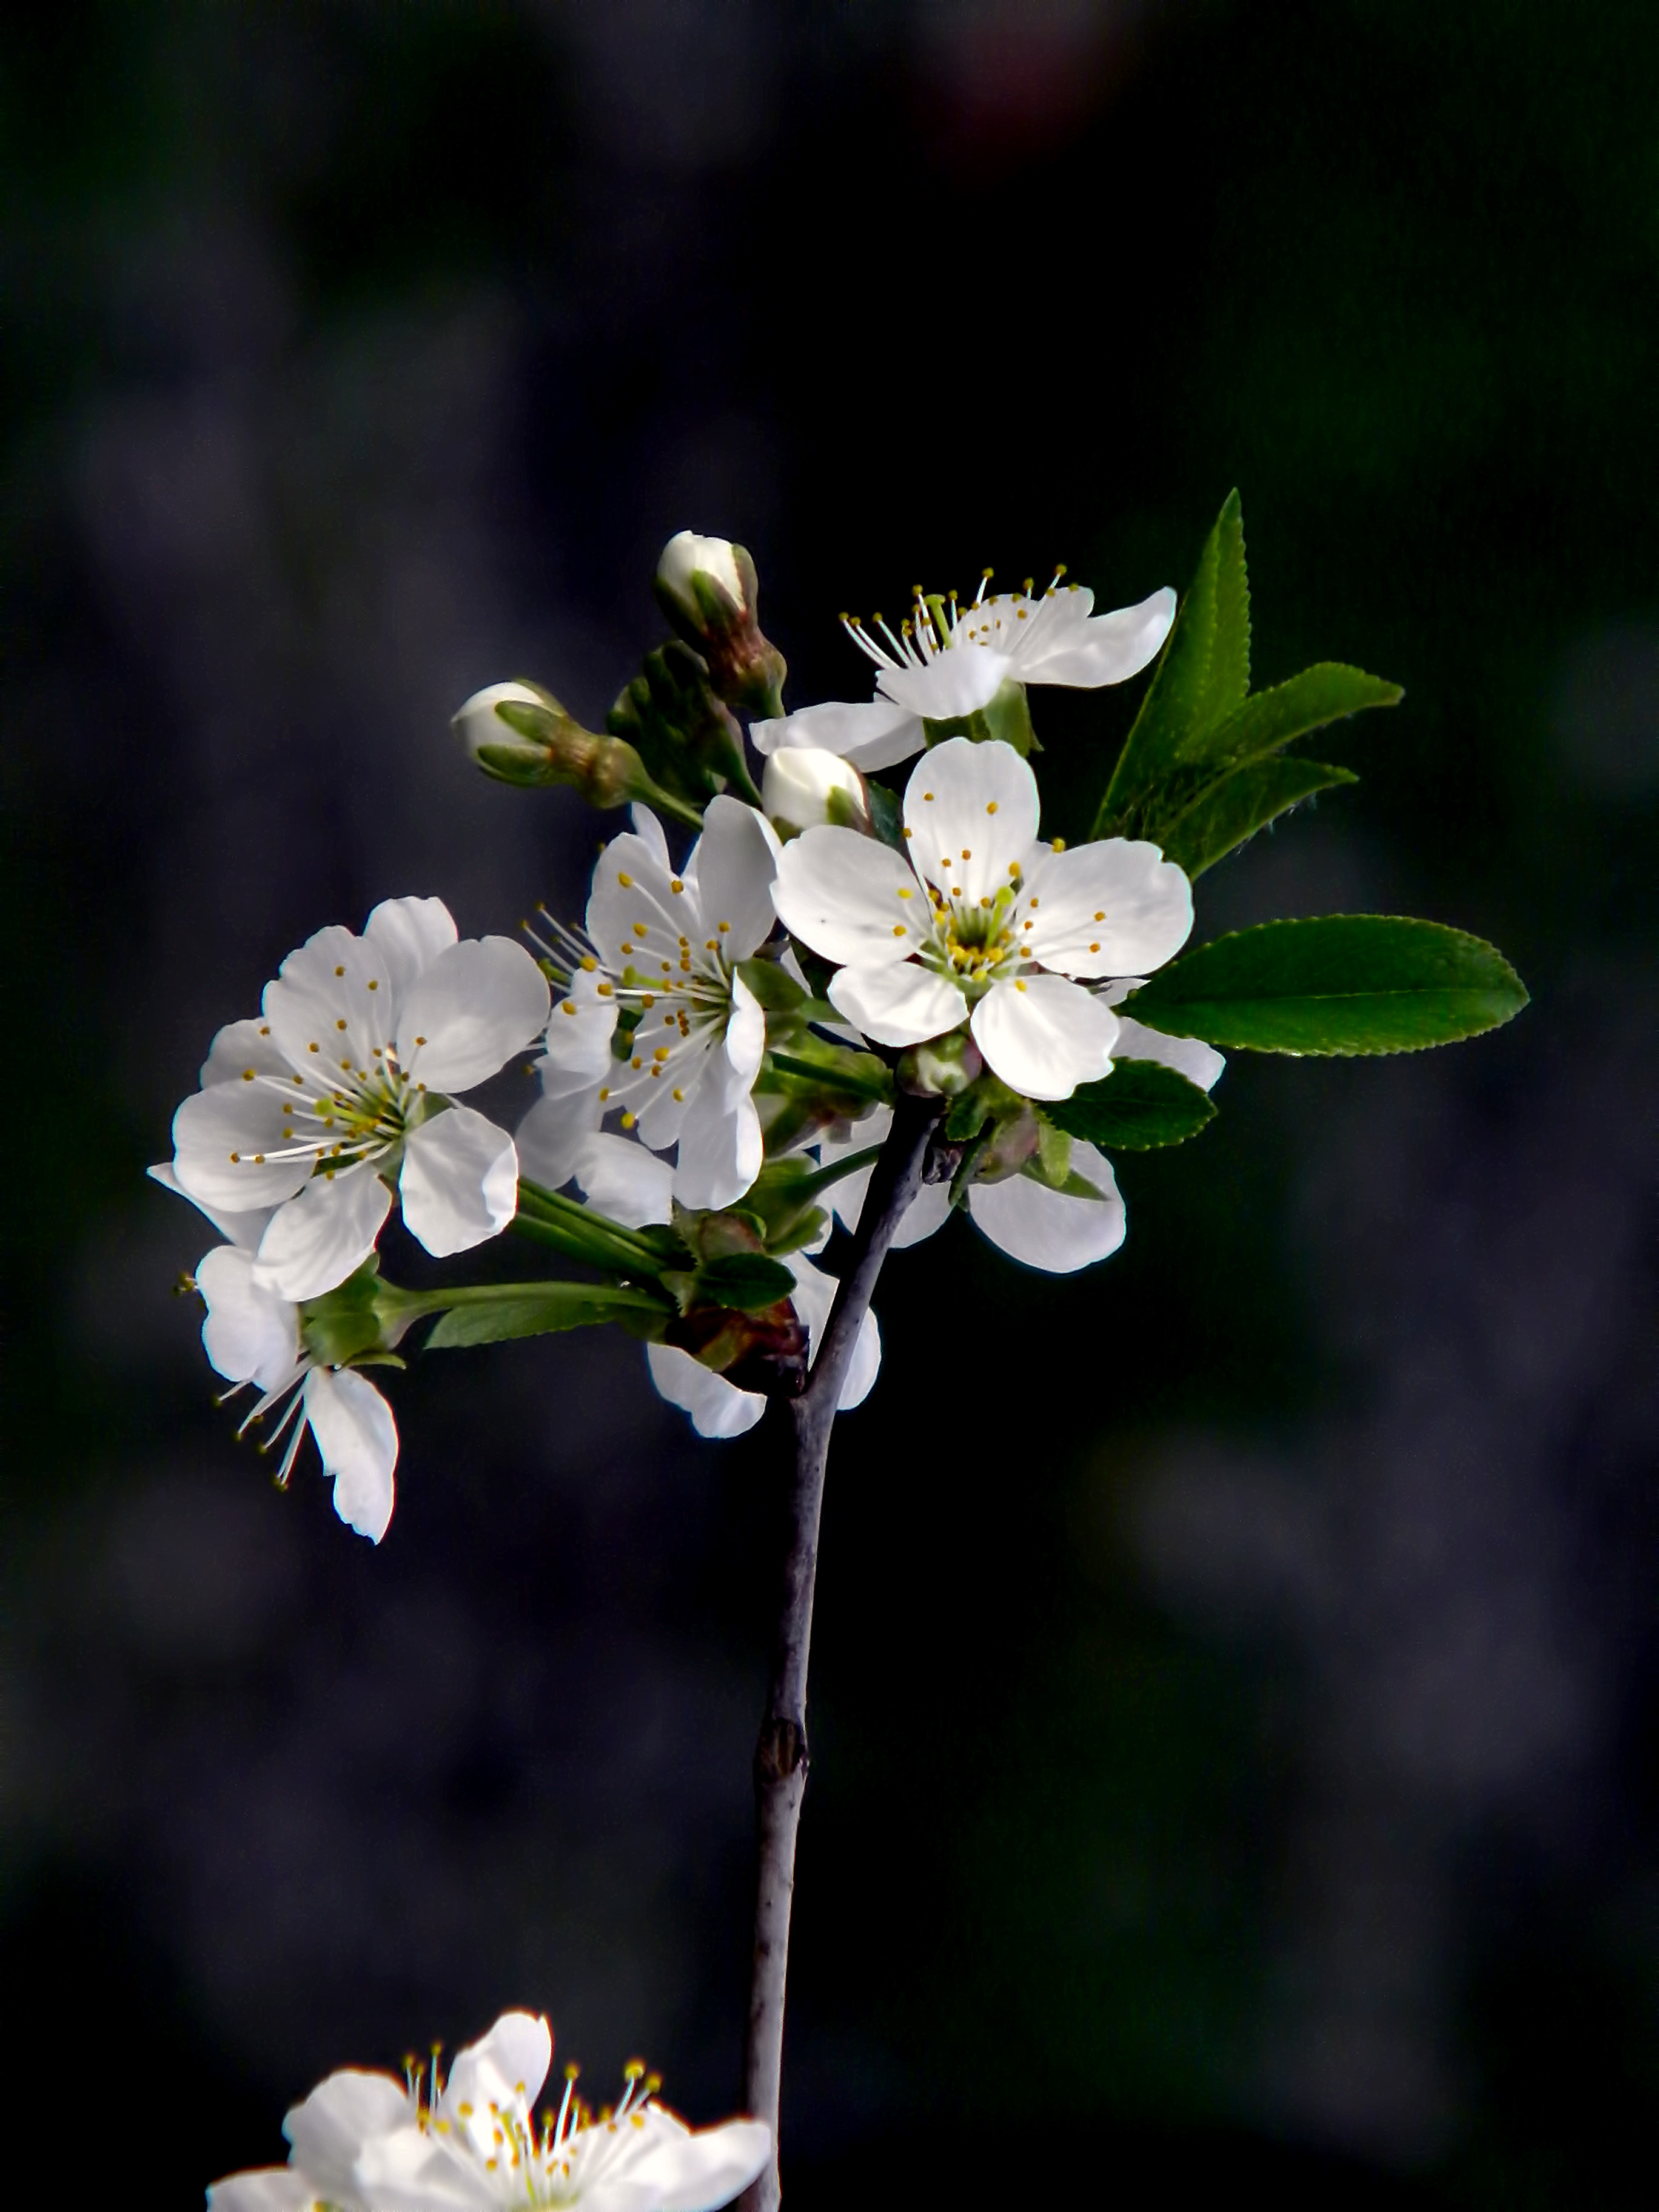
column 966, row 678
column 409, row 2170
column 622, row 1179
column 459, row 1185
column 320, row 1010
column 553, row 1134
column 814, row 1295
column 225, row 1141
column 874, row 734
column 850, row 898
column 633, row 902
column 703, row 2171
column 358, row 1440
column 505, row 2067
column 240, row 1046
column 406, row 936
column 324, row 1235
column 338, row 2118
column 245, row 1229
column 717, row 1408
column 1198, row 1063
column 649, row 831
column 971, row 813
column 268, row 2189
column 468, row 1013
column 577, row 1052
column 1108, row 649
column 251, row 1334
column 1105, row 908
column 926, row 1215
column 1046, row 1228
column 745, row 1035
column 720, row 1144
column 1043, row 1035
column 905, row 1004
column 736, row 859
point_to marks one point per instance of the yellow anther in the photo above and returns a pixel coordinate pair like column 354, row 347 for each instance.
column 639, row 930
column 662, row 1050
column 1059, row 845
column 339, row 971
column 903, row 894
column 636, row 1063
column 1094, row 948
column 926, row 794
column 724, row 926
column 568, row 1006
column 605, row 991
column 628, row 1119
column 236, row 1159
column 990, row 807
column 589, row 964
column 626, row 881
column 627, row 948
column 898, row 929
column 258, row 1159
column 675, row 884
column 966, row 855
column 1019, row 986
column 265, row 1030
column 247, row 1072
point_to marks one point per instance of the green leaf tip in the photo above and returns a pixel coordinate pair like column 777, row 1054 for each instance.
column 1139, row 1107
column 1335, row 984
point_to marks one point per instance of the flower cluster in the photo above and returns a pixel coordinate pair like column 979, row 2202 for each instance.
column 367, row 2142
column 720, row 1042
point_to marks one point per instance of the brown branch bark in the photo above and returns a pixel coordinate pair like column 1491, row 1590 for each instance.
column 781, row 1756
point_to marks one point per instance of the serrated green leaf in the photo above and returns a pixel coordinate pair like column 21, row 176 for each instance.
column 540, row 1311
column 1236, row 805
column 1202, row 676
column 1140, row 1106
column 1336, row 984
column 748, row 1281
column 1276, row 717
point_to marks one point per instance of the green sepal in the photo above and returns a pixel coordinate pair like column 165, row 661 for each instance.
column 1235, row 805
column 1052, row 1161
column 965, row 1116
column 1202, row 675
column 886, row 814
column 360, row 1316
column 773, row 986
column 746, row 1281
column 540, row 1310
column 1337, row 984
column 687, row 737
column 1071, row 1185
column 1139, row 1107
column 836, row 1071
column 591, row 1238
column 1005, row 719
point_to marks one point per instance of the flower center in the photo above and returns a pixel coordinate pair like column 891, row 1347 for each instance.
column 972, row 942
column 937, row 622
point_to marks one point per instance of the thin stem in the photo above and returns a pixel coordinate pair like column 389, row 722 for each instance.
column 781, row 1756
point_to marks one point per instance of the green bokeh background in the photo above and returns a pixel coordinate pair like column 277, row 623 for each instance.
column 1235, row 1691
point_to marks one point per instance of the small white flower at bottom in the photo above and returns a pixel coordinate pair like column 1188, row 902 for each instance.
column 365, row 2142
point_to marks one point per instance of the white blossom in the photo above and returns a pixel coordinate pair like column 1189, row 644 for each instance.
column 719, row 1408
column 944, row 664
column 365, row 2142
column 977, row 922
column 661, row 952
column 345, row 1080
column 252, row 1336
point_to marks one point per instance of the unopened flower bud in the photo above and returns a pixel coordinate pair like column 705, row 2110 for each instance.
column 944, row 1067
column 803, row 786
column 707, row 588
column 519, row 734
column 691, row 568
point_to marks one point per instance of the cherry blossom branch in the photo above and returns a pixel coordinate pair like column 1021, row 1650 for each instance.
column 780, row 1755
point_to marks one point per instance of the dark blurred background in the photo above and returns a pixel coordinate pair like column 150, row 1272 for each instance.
column 1235, row 1694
